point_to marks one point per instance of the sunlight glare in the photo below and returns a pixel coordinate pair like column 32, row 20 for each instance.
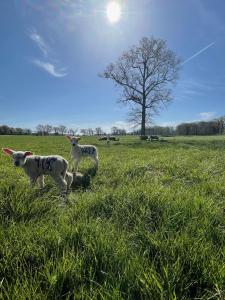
column 113, row 12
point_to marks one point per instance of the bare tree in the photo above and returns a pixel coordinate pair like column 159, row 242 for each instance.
column 83, row 131
column 40, row 129
column 98, row 130
column 114, row 130
column 72, row 131
column 90, row 131
column 118, row 131
column 56, row 130
column 27, row 131
column 48, row 129
column 145, row 73
column 221, row 124
column 62, row 129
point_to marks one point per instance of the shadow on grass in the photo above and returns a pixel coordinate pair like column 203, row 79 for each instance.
column 178, row 143
column 201, row 144
column 148, row 144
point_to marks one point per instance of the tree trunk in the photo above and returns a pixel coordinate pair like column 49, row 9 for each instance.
column 143, row 118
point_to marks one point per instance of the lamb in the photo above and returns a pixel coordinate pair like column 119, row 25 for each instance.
column 36, row 167
column 80, row 151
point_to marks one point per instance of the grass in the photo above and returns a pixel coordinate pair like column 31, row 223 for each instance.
column 150, row 225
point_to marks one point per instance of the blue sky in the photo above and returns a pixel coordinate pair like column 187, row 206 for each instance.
column 52, row 51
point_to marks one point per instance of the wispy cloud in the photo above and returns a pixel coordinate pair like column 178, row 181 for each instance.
column 39, row 41
column 198, row 53
column 194, row 88
column 50, row 68
column 48, row 64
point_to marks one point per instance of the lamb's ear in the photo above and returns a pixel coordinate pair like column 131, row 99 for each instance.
column 78, row 138
column 7, row 151
column 68, row 137
column 28, row 153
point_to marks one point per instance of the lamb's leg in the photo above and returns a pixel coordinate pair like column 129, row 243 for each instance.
column 95, row 158
column 61, row 183
column 69, row 179
column 41, row 182
column 75, row 166
column 33, row 181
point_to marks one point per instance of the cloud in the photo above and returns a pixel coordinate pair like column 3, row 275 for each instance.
column 39, row 41
column 194, row 88
column 207, row 116
column 168, row 123
column 49, row 65
column 198, row 53
column 50, row 68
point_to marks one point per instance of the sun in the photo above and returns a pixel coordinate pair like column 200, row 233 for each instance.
column 113, row 11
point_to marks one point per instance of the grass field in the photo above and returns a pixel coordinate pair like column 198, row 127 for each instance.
column 150, row 225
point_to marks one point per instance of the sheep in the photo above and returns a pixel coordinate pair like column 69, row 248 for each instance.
column 81, row 151
column 154, row 137
column 110, row 138
column 36, row 167
column 113, row 138
column 103, row 138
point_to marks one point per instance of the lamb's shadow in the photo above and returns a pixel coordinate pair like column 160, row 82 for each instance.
column 83, row 181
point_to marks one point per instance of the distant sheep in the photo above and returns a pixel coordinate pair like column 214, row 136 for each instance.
column 36, row 167
column 154, row 137
column 81, row 151
column 103, row 138
column 108, row 138
column 113, row 138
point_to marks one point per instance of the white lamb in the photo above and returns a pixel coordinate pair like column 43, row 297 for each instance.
column 36, row 167
column 81, row 151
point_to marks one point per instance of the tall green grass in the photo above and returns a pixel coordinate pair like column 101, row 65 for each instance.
column 151, row 224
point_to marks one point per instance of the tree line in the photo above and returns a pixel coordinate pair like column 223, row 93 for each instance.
column 6, row 130
column 62, row 130
column 158, row 130
column 213, row 127
column 47, row 129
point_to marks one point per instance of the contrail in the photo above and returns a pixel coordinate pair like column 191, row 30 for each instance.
column 198, row 53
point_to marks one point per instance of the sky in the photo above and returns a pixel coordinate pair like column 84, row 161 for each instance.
column 52, row 51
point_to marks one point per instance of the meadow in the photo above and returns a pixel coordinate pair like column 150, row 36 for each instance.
column 150, row 224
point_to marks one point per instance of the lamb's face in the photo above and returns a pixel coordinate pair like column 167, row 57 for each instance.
column 19, row 157
column 73, row 140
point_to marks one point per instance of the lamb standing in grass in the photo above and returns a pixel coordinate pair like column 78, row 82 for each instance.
column 36, row 167
column 80, row 151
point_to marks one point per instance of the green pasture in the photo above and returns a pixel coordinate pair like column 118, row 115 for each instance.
column 150, row 224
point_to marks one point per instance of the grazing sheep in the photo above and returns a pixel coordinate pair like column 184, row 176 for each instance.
column 113, row 138
column 154, row 137
column 36, row 167
column 110, row 138
column 80, row 151
column 103, row 138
